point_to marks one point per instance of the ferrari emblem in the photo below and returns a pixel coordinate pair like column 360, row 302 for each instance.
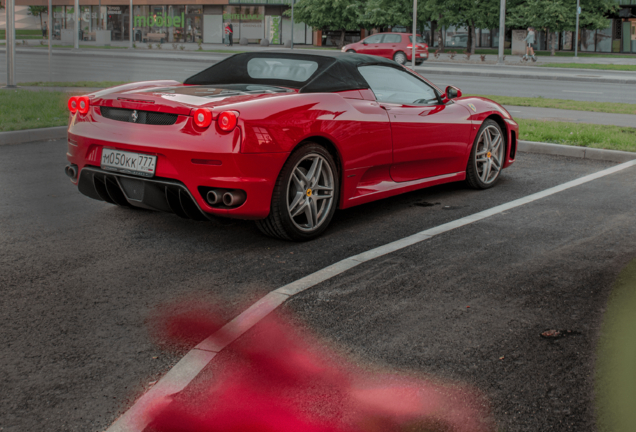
column 472, row 107
column 488, row 155
column 134, row 116
column 308, row 192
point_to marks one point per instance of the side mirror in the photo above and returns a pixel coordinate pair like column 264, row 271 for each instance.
column 364, row 42
column 453, row 92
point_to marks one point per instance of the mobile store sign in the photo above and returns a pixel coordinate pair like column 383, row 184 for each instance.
column 160, row 21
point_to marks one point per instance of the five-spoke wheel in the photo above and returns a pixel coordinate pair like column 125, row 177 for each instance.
column 305, row 195
column 487, row 156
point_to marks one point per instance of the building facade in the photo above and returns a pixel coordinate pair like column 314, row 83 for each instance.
column 175, row 21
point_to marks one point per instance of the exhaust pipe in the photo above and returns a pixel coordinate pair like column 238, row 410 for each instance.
column 214, row 197
column 234, row 198
column 71, row 171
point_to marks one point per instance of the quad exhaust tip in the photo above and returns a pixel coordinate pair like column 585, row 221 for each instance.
column 71, row 171
column 234, row 198
column 214, row 197
column 224, row 197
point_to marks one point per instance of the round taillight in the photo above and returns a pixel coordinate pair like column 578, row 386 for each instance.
column 83, row 104
column 72, row 104
column 202, row 117
column 227, row 120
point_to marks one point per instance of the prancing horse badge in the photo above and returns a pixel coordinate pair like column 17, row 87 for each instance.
column 135, row 116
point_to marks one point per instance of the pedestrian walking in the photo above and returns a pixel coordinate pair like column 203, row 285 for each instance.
column 228, row 33
column 529, row 42
column 231, row 34
column 44, row 30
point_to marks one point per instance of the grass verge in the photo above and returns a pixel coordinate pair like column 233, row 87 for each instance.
column 591, row 66
column 604, row 107
column 578, row 134
column 24, row 109
column 91, row 84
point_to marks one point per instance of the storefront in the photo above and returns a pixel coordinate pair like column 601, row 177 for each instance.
column 92, row 18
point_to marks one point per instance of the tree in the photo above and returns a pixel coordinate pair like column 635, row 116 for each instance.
column 340, row 15
column 559, row 15
column 471, row 14
column 38, row 11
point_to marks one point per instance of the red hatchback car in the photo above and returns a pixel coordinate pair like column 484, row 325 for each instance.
column 284, row 139
column 394, row 46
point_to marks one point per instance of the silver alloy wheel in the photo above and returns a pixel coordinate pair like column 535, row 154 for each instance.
column 310, row 192
column 400, row 58
column 489, row 154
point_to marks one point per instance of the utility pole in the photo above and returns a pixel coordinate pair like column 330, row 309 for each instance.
column 502, row 32
column 50, row 31
column 414, row 41
column 130, row 14
column 292, row 24
column 78, row 26
column 576, row 39
column 10, row 37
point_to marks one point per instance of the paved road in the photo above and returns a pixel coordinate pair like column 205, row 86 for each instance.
column 71, row 67
column 80, row 277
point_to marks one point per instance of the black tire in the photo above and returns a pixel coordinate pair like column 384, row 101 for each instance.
column 399, row 57
column 279, row 223
column 351, row 51
column 473, row 178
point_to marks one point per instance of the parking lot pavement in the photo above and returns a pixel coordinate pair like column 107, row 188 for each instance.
column 80, row 278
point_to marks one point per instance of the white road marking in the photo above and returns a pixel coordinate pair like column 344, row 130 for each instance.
column 576, row 91
column 188, row 367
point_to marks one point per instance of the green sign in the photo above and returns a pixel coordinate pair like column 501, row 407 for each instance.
column 160, row 21
column 243, row 17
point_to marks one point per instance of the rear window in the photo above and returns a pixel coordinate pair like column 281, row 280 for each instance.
column 281, row 69
column 419, row 39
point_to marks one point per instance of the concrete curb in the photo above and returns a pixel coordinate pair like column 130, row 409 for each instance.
column 574, row 151
column 30, row 135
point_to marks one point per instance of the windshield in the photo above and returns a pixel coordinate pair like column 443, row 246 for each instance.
column 281, row 68
column 419, row 39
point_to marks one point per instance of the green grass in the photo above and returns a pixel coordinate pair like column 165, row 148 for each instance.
column 92, row 84
column 23, row 34
column 615, row 378
column 578, row 134
column 591, row 66
column 24, row 109
column 605, row 107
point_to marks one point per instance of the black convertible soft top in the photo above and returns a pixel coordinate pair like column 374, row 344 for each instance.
column 335, row 71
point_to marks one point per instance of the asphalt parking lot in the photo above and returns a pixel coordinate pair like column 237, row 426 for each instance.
column 81, row 277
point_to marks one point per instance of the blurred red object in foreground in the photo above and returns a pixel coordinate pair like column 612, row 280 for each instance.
column 282, row 381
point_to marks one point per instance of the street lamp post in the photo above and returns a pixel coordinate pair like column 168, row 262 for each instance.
column 78, row 26
column 576, row 40
column 502, row 32
column 414, row 37
column 130, row 30
column 10, row 37
column 292, row 25
column 50, row 31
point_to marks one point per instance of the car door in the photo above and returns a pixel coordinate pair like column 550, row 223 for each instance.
column 371, row 45
column 390, row 45
column 430, row 138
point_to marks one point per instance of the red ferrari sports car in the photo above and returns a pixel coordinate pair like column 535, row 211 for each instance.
column 283, row 139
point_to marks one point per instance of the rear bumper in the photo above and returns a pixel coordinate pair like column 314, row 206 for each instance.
column 187, row 166
column 419, row 54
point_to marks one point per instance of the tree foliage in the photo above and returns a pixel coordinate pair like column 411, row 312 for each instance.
column 559, row 15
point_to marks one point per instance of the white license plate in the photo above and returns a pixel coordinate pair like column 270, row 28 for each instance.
column 129, row 163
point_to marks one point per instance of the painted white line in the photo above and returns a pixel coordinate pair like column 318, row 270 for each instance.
column 186, row 370
column 576, row 91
